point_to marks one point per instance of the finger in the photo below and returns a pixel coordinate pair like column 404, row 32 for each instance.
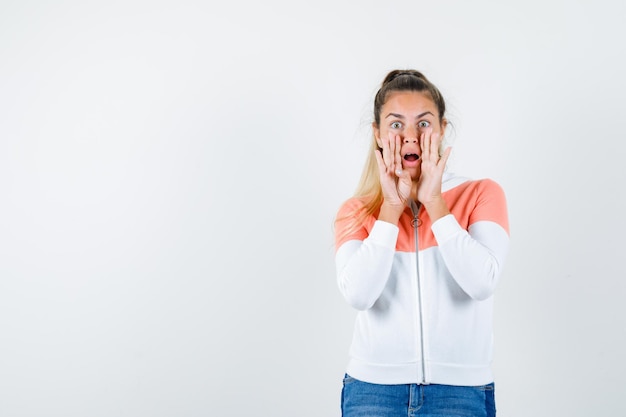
column 382, row 168
column 384, row 151
column 389, row 156
column 426, row 146
column 436, row 143
column 434, row 146
column 446, row 154
column 392, row 148
column 398, row 156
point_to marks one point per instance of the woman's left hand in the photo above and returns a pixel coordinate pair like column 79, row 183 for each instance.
column 429, row 184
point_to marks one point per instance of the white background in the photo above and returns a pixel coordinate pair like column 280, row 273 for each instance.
column 169, row 173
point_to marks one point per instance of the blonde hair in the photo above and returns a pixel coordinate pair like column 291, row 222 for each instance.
column 369, row 190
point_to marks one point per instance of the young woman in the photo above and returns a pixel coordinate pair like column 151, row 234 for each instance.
column 418, row 252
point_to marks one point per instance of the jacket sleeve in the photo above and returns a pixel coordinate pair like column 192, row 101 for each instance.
column 363, row 261
column 475, row 256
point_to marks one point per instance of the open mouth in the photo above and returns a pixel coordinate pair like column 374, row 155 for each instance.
column 411, row 157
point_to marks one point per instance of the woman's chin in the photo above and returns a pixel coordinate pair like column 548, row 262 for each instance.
column 415, row 173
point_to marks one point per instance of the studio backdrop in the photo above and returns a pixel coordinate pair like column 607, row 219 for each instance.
column 170, row 172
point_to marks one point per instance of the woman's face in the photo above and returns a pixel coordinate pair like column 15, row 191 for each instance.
column 409, row 114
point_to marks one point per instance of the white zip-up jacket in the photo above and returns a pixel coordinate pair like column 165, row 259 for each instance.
column 424, row 294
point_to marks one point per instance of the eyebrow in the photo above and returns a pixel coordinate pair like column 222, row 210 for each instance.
column 399, row 116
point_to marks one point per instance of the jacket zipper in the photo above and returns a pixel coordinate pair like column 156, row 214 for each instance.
column 415, row 208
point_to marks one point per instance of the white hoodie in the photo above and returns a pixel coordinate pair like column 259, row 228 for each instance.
column 426, row 316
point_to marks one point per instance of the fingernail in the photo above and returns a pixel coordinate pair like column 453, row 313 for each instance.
column 398, row 172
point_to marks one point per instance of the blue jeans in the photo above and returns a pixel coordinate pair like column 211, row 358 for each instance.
column 361, row 399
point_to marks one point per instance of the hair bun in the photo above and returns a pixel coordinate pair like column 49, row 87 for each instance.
column 399, row 73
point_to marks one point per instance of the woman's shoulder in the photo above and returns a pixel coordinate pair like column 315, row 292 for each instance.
column 453, row 181
column 352, row 205
column 479, row 199
column 488, row 186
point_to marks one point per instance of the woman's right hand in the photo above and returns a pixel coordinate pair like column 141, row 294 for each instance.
column 395, row 182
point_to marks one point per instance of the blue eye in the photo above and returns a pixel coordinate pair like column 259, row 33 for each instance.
column 396, row 125
column 423, row 124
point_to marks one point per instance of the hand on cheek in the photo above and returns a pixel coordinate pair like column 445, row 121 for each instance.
column 395, row 182
column 429, row 187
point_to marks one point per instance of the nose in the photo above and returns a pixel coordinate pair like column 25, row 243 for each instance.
column 410, row 135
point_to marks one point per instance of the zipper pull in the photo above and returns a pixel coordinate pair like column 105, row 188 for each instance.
column 415, row 209
column 416, row 222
